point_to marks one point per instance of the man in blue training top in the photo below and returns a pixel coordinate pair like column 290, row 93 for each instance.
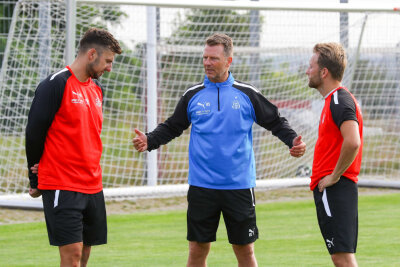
column 222, row 171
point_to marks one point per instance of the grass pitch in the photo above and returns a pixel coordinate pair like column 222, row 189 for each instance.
column 289, row 236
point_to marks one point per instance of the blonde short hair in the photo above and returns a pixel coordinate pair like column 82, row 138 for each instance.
column 333, row 57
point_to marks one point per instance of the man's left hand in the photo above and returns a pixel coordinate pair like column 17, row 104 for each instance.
column 299, row 147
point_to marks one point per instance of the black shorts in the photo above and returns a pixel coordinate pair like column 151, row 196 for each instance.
column 73, row 217
column 204, row 211
column 337, row 212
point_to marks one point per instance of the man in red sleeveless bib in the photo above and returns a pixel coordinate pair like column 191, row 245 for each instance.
column 337, row 154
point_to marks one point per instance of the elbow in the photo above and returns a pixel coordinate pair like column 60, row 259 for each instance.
column 357, row 143
column 354, row 145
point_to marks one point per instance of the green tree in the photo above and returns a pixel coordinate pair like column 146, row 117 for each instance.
column 197, row 24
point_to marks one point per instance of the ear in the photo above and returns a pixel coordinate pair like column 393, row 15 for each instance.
column 91, row 54
column 230, row 59
column 324, row 72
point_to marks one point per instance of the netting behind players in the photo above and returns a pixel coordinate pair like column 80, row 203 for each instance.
column 272, row 50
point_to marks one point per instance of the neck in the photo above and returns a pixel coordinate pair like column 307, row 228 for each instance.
column 327, row 87
column 79, row 70
column 221, row 79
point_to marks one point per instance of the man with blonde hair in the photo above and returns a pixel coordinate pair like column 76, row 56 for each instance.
column 337, row 154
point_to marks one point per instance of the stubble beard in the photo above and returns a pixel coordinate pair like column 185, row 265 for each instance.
column 315, row 83
column 91, row 70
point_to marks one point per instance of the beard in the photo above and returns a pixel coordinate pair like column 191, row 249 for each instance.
column 314, row 82
column 90, row 69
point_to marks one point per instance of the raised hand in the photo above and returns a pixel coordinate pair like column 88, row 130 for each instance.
column 299, row 147
column 140, row 141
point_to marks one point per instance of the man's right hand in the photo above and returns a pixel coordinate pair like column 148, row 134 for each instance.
column 140, row 141
column 34, row 192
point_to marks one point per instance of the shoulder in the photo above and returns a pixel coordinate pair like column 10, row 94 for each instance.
column 245, row 87
column 55, row 80
column 97, row 82
column 342, row 98
column 193, row 89
column 343, row 107
column 59, row 76
column 255, row 96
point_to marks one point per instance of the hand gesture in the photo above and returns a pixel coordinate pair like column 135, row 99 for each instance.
column 299, row 147
column 140, row 141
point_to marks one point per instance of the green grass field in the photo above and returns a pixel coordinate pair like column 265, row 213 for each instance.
column 289, row 236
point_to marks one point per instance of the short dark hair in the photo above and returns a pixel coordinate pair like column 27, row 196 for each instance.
column 333, row 57
column 100, row 39
column 220, row 38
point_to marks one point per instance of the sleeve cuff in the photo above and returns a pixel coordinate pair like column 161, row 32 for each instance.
column 33, row 181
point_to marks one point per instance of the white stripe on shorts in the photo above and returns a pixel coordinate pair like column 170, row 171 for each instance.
column 56, row 198
column 252, row 197
column 326, row 204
